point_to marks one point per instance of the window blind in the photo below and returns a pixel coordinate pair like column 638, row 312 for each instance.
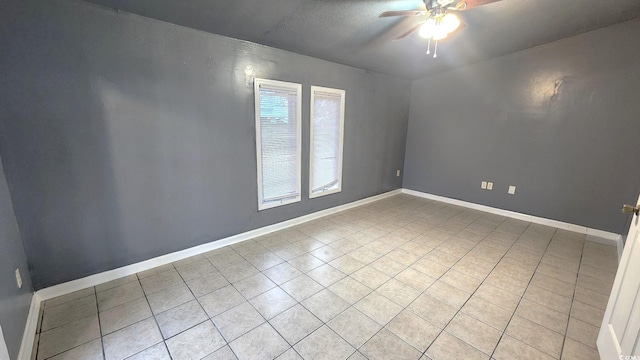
column 327, row 118
column 278, row 134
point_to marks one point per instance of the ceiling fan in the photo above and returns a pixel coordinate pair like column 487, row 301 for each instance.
column 439, row 19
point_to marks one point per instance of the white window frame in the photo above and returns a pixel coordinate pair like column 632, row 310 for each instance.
column 341, row 140
column 298, row 88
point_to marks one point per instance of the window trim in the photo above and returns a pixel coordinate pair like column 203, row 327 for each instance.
column 342, row 93
column 298, row 88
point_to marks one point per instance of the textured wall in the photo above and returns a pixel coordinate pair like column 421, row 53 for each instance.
column 14, row 302
column 126, row 138
column 561, row 122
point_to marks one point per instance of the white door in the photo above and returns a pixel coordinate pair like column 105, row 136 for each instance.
column 619, row 335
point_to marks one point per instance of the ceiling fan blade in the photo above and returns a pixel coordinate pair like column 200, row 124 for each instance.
column 411, row 29
column 470, row 4
column 404, row 13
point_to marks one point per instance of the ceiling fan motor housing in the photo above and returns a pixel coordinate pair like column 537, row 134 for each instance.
column 437, row 4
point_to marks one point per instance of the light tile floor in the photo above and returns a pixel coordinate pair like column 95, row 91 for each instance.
column 402, row 278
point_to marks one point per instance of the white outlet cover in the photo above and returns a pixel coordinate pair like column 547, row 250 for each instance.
column 483, row 185
column 512, row 189
column 18, row 279
column 489, row 186
column 4, row 351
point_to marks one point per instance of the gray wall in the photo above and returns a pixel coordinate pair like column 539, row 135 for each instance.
column 561, row 122
column 126, row 138
column 14, row 302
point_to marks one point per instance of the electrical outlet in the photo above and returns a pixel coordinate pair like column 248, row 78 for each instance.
column 483, row 185
column 397, row 173
column 512, row 189
column 18, row 278
column 489, row 185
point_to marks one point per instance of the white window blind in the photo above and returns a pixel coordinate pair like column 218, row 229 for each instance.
column 327, row 124
column 278, row 142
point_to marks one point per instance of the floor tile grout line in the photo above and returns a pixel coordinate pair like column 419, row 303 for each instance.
column 424, row 291
column 436, row 279
column 34, row 356
column 406, row 212
column 460, row 308
column 566, row 330
column 154, row 320
column 371, row 291
column 65, row 324
column 158, row 273
column 74, row 347
column 521, row 233
column 267, row 321
column 292, row 346
column 198, row 324
column 104, row 354
column 67, row 302
column 505, row 252
column 164, row 341
column 209, row 318
column 350, row 306
column 513, row 314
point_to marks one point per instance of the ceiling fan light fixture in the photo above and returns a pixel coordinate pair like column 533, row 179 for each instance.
column 439, row 22
column 438, row 28
column 439, row 33
column 428, row 28
column 450, row 22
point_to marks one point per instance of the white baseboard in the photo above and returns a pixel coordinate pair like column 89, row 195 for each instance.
column 594, row 235
column 29, row 334
column 65, row 288
column 92, row 280
column 620, row 246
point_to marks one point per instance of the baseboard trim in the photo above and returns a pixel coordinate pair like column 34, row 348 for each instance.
column 29, row 334
column 92, row 280
column 51, row 292
column 594, row 235
column 620, row 245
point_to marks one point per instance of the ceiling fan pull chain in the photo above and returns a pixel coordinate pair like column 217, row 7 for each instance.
column 429, row 47
column 435, row 50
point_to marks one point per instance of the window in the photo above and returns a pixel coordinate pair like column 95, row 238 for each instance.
column 327, row 128
column 278, row 142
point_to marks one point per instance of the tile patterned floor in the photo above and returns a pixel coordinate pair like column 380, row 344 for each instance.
column 402, row 278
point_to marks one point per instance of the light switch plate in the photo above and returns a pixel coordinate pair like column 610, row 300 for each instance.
column 512, row 189
column 483, row 185
column 397, row 173
column 18, row 279
column 489, row 185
